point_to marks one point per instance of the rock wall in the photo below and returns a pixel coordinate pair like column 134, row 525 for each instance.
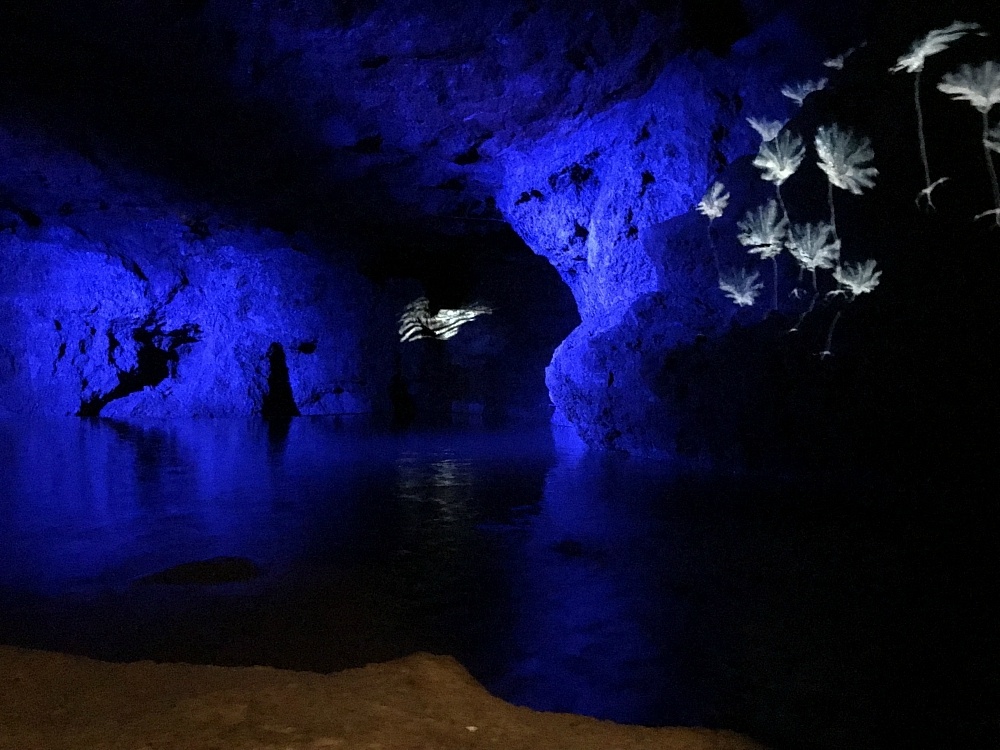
column 591, row 131
column 122, row 304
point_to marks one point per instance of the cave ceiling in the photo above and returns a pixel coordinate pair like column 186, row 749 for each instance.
column 355, row 115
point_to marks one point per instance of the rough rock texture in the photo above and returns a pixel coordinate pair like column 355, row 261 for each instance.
column 591, row 130
column 50, row 701
column 122, row 299
column 124, row 309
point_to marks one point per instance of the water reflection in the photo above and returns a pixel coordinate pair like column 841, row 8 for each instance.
column 589, row 631
column 563, row 580
column 88, row 504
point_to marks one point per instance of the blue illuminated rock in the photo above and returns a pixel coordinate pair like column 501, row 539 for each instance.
column 124, row 310
column 591, row 130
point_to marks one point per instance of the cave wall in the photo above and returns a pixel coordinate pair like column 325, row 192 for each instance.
column 122, row 303
column 591, row 130
column 608, row 199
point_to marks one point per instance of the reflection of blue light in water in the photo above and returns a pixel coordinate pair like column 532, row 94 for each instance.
column 94, row 503
column 590, row 627
column 570, row 581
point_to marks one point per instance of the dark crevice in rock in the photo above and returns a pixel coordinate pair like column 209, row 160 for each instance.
column 279, row 403
column 197, row 227
column 647, row 179
column 28, row 217
column 113, row 344
column 373, row 63
column 371, row 144
column 583, row 57
column 157, row 359
column 579, row 174
column 469, row 156
column 456, row 184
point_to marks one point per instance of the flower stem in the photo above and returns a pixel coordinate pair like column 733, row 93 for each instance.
column 812, row 304
column 711, row 244
column 833, row 213
column 774, row 263
column 989, row 167
column 920, row 130
column 829, row 334
column 781, row 201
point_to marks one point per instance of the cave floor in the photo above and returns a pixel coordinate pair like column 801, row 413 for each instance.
column 50, row 702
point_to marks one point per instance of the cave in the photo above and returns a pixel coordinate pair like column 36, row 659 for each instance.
column 633, row 359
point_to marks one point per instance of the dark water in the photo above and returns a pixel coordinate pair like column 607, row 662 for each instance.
column 830, row 612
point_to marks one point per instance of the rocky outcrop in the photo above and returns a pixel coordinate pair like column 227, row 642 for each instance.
column 118, row 308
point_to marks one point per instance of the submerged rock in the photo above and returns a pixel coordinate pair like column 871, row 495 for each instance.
column 209, row 572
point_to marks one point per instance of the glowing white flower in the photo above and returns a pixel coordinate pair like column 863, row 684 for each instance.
column 767, row 129
column 779, row 158
column 762, row 232
column 979, row 85
column 935, row 41
column 837, row 63
column 857, row 278
column 844, row 158
column 416, row 322
column 814, row 246
column 714, row 202
column 797, row 92
column 742, row 288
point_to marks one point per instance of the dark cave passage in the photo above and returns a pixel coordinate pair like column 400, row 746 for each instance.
column 491, row 367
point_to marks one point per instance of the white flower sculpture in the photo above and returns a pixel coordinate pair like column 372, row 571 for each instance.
column 913, row 61
column 798, row 92
column 856, row 278
column 714, row 202
column 980, row 86
column 762, row 232
column 779, row 158
column 837, row 63
column 936, row 40
column 416, row 322
column 742, row 288
column 814, row 246
column 844, row 158
column 767, row 129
